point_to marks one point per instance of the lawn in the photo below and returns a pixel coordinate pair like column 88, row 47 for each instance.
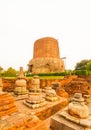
column 41, row 77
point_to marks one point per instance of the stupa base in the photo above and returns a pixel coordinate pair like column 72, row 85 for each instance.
column 21, row 93
column 34, row 105
column 64, row 121
column 35, row 90
column 49, row 98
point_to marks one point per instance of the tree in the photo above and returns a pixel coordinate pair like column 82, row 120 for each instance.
column 82, row 65
column 10, row 72
column 1, row 70
column 88, row 67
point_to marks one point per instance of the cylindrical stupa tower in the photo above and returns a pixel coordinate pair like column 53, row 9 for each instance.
column 46, row 57
column 46, row 47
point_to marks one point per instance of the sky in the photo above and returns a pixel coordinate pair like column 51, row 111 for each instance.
column 22, row 22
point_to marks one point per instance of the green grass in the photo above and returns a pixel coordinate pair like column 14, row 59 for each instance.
column 51, row 77
column 48, row 77
column 9, row 77
column 41, row 77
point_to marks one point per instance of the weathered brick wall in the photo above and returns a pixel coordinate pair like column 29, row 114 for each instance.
column 8, row 84
column 78, row 84
column 46, row 47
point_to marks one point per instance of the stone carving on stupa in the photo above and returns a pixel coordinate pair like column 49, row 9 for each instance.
column 35, row 84
column 35, row 96
column 77, row 106
column 77, row 112
column 46, row 57
column 50, row 94
column 75, row 116
column 21, row 84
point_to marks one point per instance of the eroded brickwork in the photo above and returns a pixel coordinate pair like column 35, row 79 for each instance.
column 46, row 47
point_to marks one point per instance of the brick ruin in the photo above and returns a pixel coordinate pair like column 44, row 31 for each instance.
column 46, row 57
column 24, row 118
column 17, row 116
column 71, row 84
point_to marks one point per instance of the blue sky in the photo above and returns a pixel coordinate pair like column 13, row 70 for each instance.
column 24, row 21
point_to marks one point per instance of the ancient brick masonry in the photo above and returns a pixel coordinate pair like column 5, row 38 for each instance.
column 77, row 85
column 46, row 57
column 46, row 47
column 7, row 105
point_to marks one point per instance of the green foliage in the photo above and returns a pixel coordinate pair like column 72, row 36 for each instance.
column 89, row 72
column 51, row 74
column 10, row 72
column 83, row 68
column 88, row 67
column 81, row 65
column 81, row 72
column 1, row 70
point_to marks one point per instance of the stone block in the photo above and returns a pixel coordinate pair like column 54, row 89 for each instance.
column 61, row 123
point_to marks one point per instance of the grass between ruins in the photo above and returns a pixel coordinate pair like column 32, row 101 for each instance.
column 51, row 77
column 41, row 77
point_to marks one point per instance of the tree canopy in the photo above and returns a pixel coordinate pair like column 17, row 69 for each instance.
column 82, row 65
column 88, row 67
column 10, row 72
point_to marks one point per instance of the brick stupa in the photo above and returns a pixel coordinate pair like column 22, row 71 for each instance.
column 46, row 57
column 35, row 97
column 20, row 84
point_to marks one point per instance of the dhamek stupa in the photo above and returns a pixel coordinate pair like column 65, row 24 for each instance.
column 46, row 57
